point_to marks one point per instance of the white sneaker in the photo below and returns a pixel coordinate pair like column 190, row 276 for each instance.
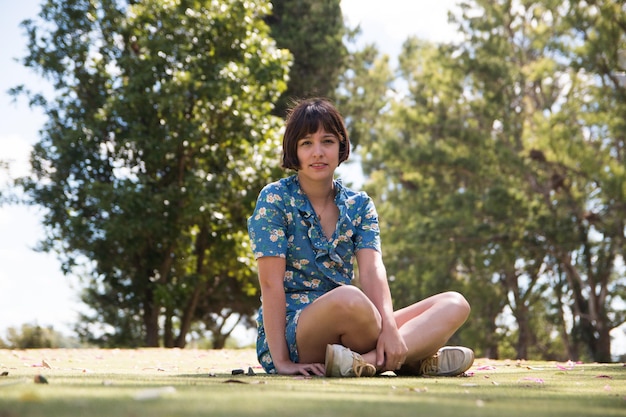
column 448, row 361
column 341, row 361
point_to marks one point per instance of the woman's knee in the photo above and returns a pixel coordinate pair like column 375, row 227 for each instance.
column 357, row 317
column 458, row 303
column 351, row 302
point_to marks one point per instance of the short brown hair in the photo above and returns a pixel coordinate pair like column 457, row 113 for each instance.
column 305, row 118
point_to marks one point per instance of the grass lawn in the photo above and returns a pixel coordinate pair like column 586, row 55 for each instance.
column 160, row 382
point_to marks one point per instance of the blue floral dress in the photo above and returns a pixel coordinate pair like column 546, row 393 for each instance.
column 284, row 224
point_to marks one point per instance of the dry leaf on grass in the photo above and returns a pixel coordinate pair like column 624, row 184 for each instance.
column 234, row 381
column 40, row 379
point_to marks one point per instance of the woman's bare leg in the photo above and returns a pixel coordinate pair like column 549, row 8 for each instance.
column 346, row 316
column 342, row 316
column 427, row 325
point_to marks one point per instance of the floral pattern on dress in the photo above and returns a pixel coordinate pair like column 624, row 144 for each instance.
column 284, row 224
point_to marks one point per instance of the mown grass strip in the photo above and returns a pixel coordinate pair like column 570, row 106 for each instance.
column 161, row 382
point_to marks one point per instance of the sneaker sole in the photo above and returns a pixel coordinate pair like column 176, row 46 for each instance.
column 330, row 356
column 465, row 367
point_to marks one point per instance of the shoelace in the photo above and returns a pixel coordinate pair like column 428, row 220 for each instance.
column 360, row 367
column 430, row 365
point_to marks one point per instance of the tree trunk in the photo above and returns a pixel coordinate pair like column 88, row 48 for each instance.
column 187, row 318
column 491, row 349
column 190, row 310
column 168, row 329
column 217, row 329
column 524, row 335
column 602, row 345
column 151, row 319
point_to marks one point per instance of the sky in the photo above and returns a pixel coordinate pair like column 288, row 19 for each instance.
column 32, row 288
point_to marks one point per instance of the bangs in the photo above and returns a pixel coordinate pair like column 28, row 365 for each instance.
column 316, row 116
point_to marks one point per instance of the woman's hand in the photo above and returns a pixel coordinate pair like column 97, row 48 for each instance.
column 306, row 369
column 390, row 350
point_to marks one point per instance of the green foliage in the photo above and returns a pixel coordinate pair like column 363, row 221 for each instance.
column 33, row 336
column 500, row 173
column 158, row 139
column 313, row 31
column 362, row 95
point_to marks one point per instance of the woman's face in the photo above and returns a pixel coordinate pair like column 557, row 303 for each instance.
column 318, row 155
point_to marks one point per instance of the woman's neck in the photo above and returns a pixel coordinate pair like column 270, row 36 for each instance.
column 317, row 191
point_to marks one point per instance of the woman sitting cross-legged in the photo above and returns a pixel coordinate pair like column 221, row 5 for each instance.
column 307, row 231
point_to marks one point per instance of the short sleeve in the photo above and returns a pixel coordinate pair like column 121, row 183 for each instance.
column 268, row 224
column 366, row 223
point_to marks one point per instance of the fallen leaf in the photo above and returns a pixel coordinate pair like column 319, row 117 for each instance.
column 40, row 379
column 234, row 381
column 537, row 380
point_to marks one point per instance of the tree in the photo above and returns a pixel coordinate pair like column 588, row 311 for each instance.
column 33, row 336
column 497, row 173
column 570, row 156
column 158, row 139
column 417, row 152
column 597, row 197
column 313, row 31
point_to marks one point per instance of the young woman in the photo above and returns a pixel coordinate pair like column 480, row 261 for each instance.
column 307, row 230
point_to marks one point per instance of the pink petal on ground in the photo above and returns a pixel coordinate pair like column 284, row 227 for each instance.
column 486, row 368
column 537, row 380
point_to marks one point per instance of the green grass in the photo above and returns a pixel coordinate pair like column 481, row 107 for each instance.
column 159, row 382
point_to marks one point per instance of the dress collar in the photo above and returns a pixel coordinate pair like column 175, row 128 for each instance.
column 302, row 201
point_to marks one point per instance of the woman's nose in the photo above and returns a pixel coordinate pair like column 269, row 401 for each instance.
column 317, row 148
